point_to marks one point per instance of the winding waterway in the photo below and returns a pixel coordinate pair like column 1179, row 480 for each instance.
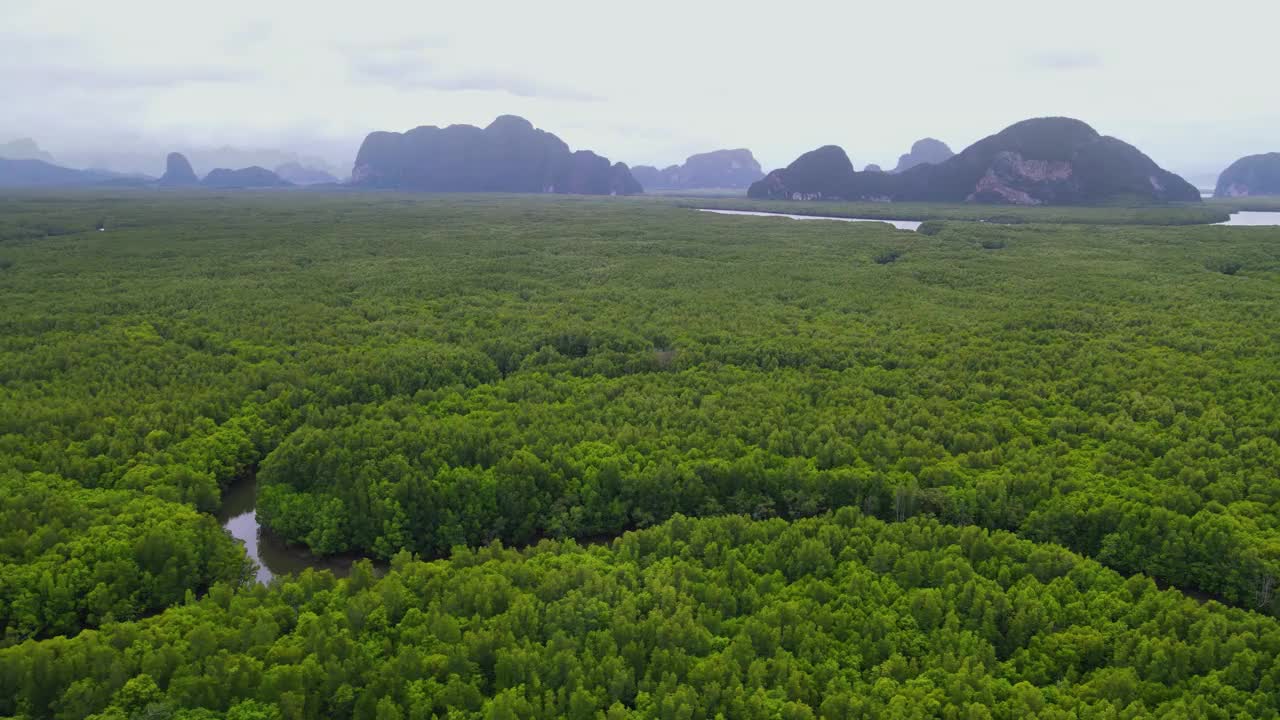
column 271, row 553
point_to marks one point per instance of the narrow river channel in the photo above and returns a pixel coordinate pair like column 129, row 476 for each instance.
column 273, row 555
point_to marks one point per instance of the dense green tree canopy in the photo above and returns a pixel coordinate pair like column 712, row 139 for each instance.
column 838, row 617
column 409, row 374
column 73, row 556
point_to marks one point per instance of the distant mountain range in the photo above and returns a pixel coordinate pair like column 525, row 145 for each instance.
column 178, row 173
column 1034, row 162
column 244, row 178
column 303, row 175
column 1038, row 161
column 510, row 155
column 716, row 169
column 38, row 173
column 203, row 159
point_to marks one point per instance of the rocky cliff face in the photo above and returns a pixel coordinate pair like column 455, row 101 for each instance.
column 1040, row 161
column 250, row 177
column 178, row 172
column 509, row 155
column 717, row 169
column 925, row 151
column 1252, row 175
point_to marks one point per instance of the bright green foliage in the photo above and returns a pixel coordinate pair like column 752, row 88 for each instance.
column 837, row 617
column 415, row 372
column 73, row 557
column 1257, row 204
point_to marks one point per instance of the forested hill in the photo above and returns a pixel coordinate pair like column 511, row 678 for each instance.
column 838, row 617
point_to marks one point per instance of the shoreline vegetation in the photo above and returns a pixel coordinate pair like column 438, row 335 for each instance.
column 1254, row 204
column 909, row 459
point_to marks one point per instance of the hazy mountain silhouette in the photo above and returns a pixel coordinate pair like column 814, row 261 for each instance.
column 302, row 175
column 927, row 150
column 178, row 172
column 24, row 149
column 1250, row 175
column 250, row 177
column 509, row 155
column 1039, row 161
column 717, row 169
column 38, row 173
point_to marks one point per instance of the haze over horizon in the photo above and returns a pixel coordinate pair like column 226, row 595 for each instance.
column 647, row 84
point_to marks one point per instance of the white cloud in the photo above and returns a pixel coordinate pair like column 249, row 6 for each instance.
column 414, row 70
column 1072, row 59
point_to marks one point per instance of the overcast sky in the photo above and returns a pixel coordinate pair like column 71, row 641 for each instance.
column 1192, row 84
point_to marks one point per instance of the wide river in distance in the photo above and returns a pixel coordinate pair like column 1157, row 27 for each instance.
column 900, row 224
column 1253, row 218
column 1246, row 218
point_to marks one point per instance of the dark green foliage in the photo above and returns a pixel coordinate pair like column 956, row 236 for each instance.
column 417, row 373
column 423, row 374
column 887, row 257
column 1226, row 267
column 1238, row 204
column 838, row 617
column 73, row 557
column 992, row 244
column 1004, row 219
column 931, row 227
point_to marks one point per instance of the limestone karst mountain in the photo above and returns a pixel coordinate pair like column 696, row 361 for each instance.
column 1251, row 175
column 717, row 169
column 509, row 155
column 924, row 151
column 178, row 172
column 250, row 177
column 1040, row 161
